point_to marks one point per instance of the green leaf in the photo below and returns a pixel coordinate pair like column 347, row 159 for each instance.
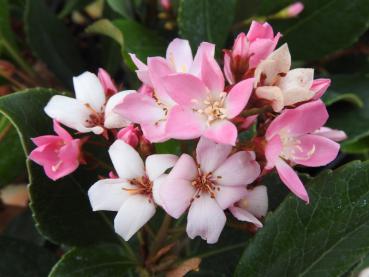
column 51, row 41
column 72, row 5
column 363, row 264
column 20, row 259
column 324, row 238
column 99, row 260
column 12, row 162
column 205, row 20
column 332, row 97
column 122, row 7
column 6, row 32
column 61, row 209
column 322, row 25
column 107, row 28
column 170, row 146
column 353, row 120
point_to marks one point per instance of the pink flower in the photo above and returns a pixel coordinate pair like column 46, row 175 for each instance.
column 204, row 109
column 207, row 186
column 129, row 135
column 333, row 134
column 151, row 111
column 290, row 138
column 248, row 50
column 295, row 9
column 106, row 82
column 91, row 110
column 275, row 82
column 131, row 194
column 59, row 155
column 252, row 206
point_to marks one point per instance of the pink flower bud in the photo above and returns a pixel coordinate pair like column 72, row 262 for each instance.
column 165, row 4
column 129, row 135
column 107, row 82
column 295, row 9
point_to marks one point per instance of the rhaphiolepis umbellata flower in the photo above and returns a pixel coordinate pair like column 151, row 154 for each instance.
column 189, row 98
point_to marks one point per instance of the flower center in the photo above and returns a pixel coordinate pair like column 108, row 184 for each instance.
column 292, row 149
column 142, row 186
column 213, row 108
column 204, row 183
column 95, row 118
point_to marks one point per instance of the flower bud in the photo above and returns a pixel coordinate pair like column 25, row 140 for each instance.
column 107, row 82
column 295, row 9
column 129, row 135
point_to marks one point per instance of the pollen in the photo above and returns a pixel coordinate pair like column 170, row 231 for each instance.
column 213, row 109
column 141, row 186
column 205, row 183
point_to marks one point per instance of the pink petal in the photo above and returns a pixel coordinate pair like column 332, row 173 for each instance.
column 183, row 123
column 45, row 155
column 315, row 150
column 140, row 108
column 228, row 195
column 155, row 132
column 211, row 155
column 244, row 215
column 106, row 81
column 222, row 131
column 240, row 169
column 259, row 50
column 185, row 89
column 69, row 154
column 248, row 122
column 48, row 139
column 272, row 151
column 179, row 55
column 291, row 180
column 138, row 63
column 61, row 132
column 205, row 49
column 301, row 120
column 333, row 134
column 256, row 201
column 320, row 86
column 227, row 68
column 238, row 97
column 156, row 187
column 205, row 219
column 157, row 164
column 142, row 70
column 260, row 30
column 211, row 74
column 185, row 168
column 240, row 46
column 176, row 196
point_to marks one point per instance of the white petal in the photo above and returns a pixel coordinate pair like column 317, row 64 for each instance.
column 127, row 162
column 238, row 169
column 112, row 119
column 256, row 201
column 243, row 215
column 157, row 164
column 185, row 168
column 228, row 195
column 71, row 113
column 89, row 90
column 296, row 95
column 156, row 188
column 273, row 94
column 297, row 78
column 108, row 194
column 205, row 219
column 211, row 155
column 133, row 214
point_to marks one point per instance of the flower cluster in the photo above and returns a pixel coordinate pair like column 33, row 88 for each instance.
column 186, row 97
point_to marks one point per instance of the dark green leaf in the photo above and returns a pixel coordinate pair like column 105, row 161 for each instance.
column 363, row 264
column 23, row 259
column 170, row 146
column 205, row 20
column 122, row 7
column 323, row 25
column 61, row 209
column 332, row 97
column 6, row 33
column 72, row 5
column 325, row 238
column 98, row 261
column 51, row 41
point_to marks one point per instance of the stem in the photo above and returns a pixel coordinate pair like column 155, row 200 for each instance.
column 248, row 21
column 220, row 250
column 161, row 235
column 18, row 59
column 255, row 111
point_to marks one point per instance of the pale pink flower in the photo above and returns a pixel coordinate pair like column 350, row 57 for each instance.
column 248, row 51
column 207, row 186
column 106, row 82
column 291, row 139
column 204, row 109
column 151, row 111
column 59, row 155
column 131, row 194
column 275, row 82
column 333, row 134
column 295, row 9
column 90, row 111
column 130, row 135
column 252, row 206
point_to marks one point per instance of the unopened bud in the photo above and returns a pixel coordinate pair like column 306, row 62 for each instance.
column 129, row 135
column 292, row 10
column 106, row 82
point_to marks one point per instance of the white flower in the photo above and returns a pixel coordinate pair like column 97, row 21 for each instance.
column 90, row 111
column 132, row 194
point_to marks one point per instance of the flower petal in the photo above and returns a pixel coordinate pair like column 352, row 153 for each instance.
column 108, row 194
column 297, row 78
column 205, row 219
column 333, row 134
column 157, row 164
column 222, row 131
column 133, row 214
column 211, row 74
column 259, row 30
column 239, row 169
column 227, row 68
column 183, row 123
column 296, row 95
column 179, row 55
column 61, row 132
column 155, row 132
column 272, row 151
column 256, row 201
column 238, row 97
column 89, row 90
column 185, row 168
column 320, row 86
column 113, row 119
column 211, row 155
column 156, row 187
column 243, row 215
column 228, row 195
column 273, row 94
column 290, row 178
column 205, row 49
column 127, row 162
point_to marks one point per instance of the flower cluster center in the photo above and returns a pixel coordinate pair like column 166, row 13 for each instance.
column 204, row 183
column 95, row 118
column 292, row 149
column 213, row 109
column 141, row 185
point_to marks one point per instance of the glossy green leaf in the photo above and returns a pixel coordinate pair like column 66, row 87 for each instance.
column 205, row 20
column 52, row 42
column 21, row 259
column 72, row 5
column 61, row 209
column 324, row 25
column 100, row 261
column 325, row 238
column 332, row 97
column 124, row 8
column 107, row 28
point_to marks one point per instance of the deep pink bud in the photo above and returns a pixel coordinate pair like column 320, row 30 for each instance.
column 107, row 82
column 129, row 135
column 165, row 4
